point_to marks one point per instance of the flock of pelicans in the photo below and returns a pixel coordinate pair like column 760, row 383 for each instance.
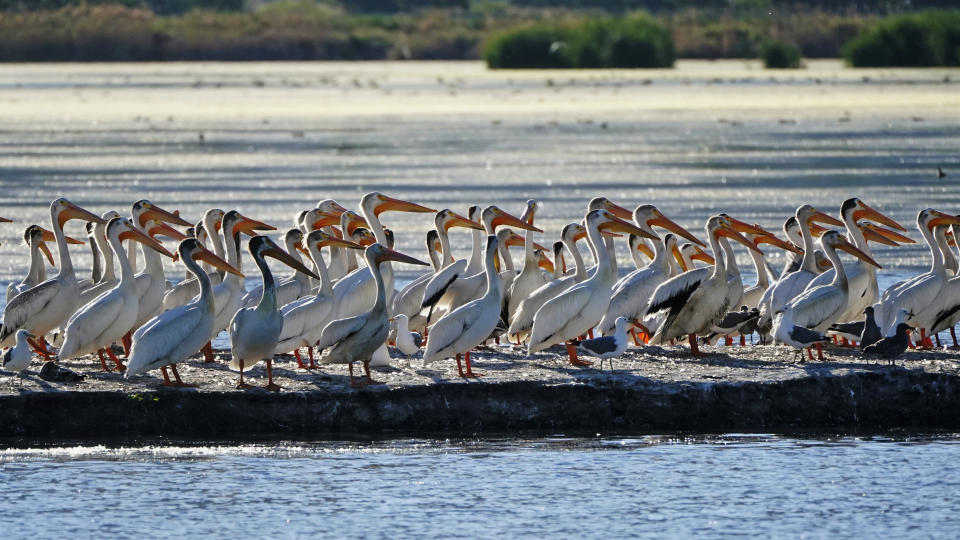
column 349, row 310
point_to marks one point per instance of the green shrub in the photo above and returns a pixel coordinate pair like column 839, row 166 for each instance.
column 930, row 38
column 636, row 41
column 780, row 55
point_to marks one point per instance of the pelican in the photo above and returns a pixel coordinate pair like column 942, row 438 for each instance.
column 469, row 325
column 578, row 309
column 44, row 307
column 631, row 293
column 409, row 300
column 522, row 319
column 292, row 288
column 765, row 272
column 356, row 338
column 255, row 331
column 530, row 277
column 789, row 286
column 861, row 276
column 106, row 319
column 109, row 279
column 818, row 307
column 445, row 295
column 174, row 335
column 96, row 271
column 697, row 299
column 331, row 211
column 356, row 291
column 303, row 320
column 920, row 296
column 33, row 236
column 182, row 292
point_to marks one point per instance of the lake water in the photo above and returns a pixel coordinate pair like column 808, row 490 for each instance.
column 273, row 139
column 559, row 487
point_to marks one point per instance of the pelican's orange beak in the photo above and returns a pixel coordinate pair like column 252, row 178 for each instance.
column 824, row 264
column 892, row 235
column 325, row 219
column 744, row 227
column 5, row 220
column 366, row 238
column 459, row 221
column 139, row 236
column 351, row 221
column 279, row 254
column 339, row 242
column 818, row 216
column 942, row 219
column 46, row 251
column 543, row 261
column 509, row 220
column 856, row 252
column 701, row 255
column 73, row 211
column 211, row 258
column 675, row 251
column 156, row 213
column 391, row 255
column 513, row 239
column 389, row 204
column 299, row 247
column 728, row 231
column 616, row 224
column 48, row 236
column 161, row 228
column 664, row 222
column 642, row 247
column 865, row 212
column 774, row 241
column 870, row 234
column 817, row 230
column 617, row 210
column 249, row 226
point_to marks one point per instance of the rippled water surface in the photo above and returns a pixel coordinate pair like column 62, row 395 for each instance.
column 556, row 487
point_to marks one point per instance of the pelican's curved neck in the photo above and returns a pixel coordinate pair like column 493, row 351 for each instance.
column 126, row 271
column 840, row 274
column 206, row 290
column 373, row 222
column 475, row 263
column 493, row 280
column 447, row 255
column 37, row 268
column 598, row 243
column 66, row 266
column 233, row 258
column 210, row 225
column 268, row 297
column 580, row 272
column 809, row 262
column 760, row 265
column 96, row 273
column 949, row 261
column 730, row 258
column 855, row 235
column 326, row 288
column 380, row 305
column 661, row 256
column 612, row 257
column 104, row 246
column 937, row 266
column 719, row 266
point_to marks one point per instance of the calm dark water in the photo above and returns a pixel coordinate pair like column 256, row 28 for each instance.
column 758, row 485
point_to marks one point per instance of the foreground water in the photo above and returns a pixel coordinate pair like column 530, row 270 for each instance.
column 656, row 486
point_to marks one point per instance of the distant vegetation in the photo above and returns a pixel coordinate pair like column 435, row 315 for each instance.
column 628, row 42
column 508, row 33
column 777, row 55
column 925, row 39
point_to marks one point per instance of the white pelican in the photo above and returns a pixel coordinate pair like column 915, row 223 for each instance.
column 44, row 307
column 792, row 284
column 578, row 309
column 442, row 295
column 95, row 326
column 631, row 292
column 17, row 358
column 291, row 288
column 228, row 293
column 765, row 272
column 949, row 314
column 691, row 252
column 356, row 291
column 530, row 277
column 817, row 308
column 355, row 339
column 182, row 292
column 861, row 275
column 469, row 325
column 522, row 320
column 409, row 300
column 919, row 296
column 109, row 279
column 96, row 271
column 33, row 236
column 695, row 300
column 174, row 335
column 255, row 331
column 303, row 320
column 331, row 211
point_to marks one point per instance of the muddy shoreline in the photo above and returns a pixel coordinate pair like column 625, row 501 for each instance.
column 647, row 390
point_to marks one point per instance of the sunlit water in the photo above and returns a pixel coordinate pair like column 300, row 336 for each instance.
column 544, row 488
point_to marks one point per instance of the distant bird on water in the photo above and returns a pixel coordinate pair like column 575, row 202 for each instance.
column 893, row 346
column 940, row 173
column 609, row 346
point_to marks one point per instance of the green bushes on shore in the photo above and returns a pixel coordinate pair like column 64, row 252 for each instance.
column 926, row 39
column 777, row 55
column 636, row 41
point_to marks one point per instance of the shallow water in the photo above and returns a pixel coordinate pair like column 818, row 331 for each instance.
column 654, row 486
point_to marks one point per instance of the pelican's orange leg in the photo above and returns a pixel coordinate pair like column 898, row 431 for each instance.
column 572, row 353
